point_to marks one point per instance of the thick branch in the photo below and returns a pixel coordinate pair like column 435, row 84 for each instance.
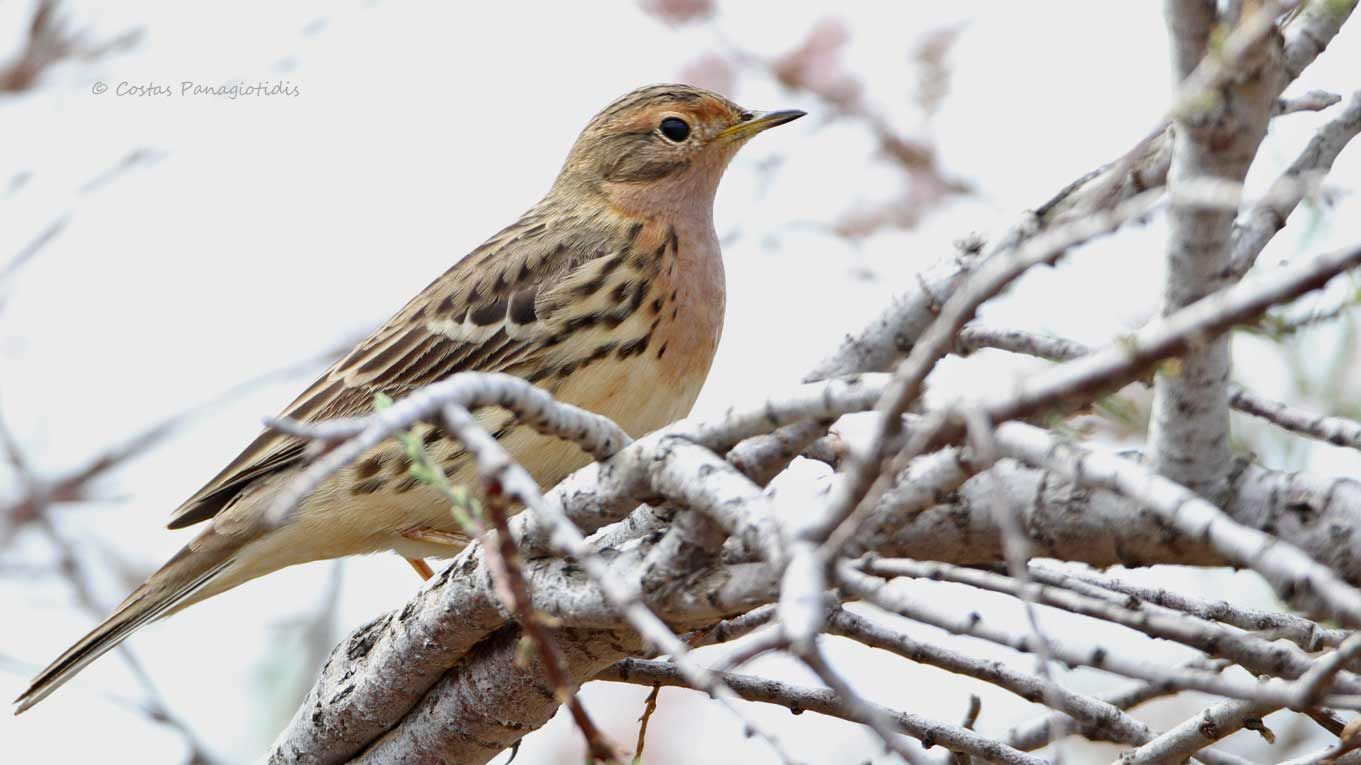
column 487, row 702
column 1189, row 431
column 1068, row 522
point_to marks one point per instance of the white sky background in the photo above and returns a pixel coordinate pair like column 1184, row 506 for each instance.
column 271, row 227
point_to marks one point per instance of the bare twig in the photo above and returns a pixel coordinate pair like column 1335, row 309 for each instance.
column 1277, row 693
column 1097, row 719
column 1040, row 731
column 1338, row 431
column 40, row 242
column 520, row 602
column 649, row 706
column 797, row 699
column 1268, row 216
column 1257, row 654
column 1197, row 732
column 1307, row 634
column 1311, row 101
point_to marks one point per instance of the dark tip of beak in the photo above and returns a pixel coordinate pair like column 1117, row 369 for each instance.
column 756, row 122
column 777, row 118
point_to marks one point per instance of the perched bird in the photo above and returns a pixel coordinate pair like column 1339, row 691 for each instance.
column 609, row 293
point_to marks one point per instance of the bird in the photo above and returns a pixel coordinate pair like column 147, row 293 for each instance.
column 609, row 293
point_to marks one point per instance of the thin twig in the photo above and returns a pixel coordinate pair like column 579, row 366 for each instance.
column 649, row 706
column 826, row 702
column 519, row 601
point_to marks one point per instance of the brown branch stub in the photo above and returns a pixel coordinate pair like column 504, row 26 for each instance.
column 649, row 706
column 505, row 565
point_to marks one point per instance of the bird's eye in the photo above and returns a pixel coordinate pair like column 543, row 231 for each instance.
column 746, row 116
column 675, row 129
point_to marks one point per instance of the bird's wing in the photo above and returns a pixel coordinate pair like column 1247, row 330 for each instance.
column 496, row 310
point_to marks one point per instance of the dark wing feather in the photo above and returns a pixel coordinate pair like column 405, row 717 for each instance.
column 484, row 314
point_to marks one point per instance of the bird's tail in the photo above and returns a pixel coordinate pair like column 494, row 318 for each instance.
column 174, row 586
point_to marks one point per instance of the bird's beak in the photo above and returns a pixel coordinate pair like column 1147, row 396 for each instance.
column 759, row 122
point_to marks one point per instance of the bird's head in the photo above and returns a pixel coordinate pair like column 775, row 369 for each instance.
column 662, row 146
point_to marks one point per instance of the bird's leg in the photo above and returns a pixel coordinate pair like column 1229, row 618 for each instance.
column 421, row 567
column 453, row 540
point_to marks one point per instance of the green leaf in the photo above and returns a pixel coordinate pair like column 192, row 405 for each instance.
column 467, row 511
